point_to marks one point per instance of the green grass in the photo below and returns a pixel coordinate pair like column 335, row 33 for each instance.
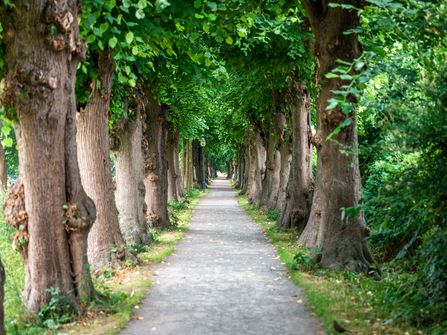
column 340, row 296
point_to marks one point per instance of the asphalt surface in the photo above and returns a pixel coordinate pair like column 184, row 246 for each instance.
column 224, row 278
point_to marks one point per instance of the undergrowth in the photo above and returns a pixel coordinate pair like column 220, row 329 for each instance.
column 359, row 303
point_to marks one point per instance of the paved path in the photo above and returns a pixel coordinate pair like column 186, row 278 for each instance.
column 224, row 278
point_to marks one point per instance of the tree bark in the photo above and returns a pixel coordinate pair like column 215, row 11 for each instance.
column 155, row 166
column 105, row 242
column 342, row 242
column 174, row 191
column 2, row 296
column 298, row 200
column 51, row 207
column 130, row 191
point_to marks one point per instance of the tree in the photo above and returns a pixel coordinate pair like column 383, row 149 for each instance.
column 40, row 60
column 126, row 138
column 155, row 166
column 342, row 240
column 106, row 244
column 299, row 190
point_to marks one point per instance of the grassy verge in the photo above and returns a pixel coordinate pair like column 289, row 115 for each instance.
column 120, row 290
column 344, row 297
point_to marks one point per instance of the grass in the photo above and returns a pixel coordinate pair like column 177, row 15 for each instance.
column 340, row 296
column 120, row 289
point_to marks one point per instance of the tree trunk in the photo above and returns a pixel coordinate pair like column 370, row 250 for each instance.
column 298, row 200
column 187, row 165
column 105, row 243
column 2, row 296
column 245, row 171
column 174, row 193
column 271, row 167
column 230, row 170
column 178, row 180
column 272, row 178
column 155, row 166
column 196, row 163
column 130, row 191
column 342, row 242
column 257, row 161
column 286, row 158
column 55, row 216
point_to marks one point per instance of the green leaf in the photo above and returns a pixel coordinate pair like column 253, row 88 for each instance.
column 332, row 104
column 229, row 40
column 112, row 42
column 103, row 27
column 331, row 75
column 135, row 50
column 90, row 39
column 132, row 82
column 129, row 37
column 8, row 142
column 212, row 5
column 139, row 14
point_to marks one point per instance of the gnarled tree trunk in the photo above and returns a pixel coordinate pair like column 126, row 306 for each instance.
column 126, row 144
column 155, row 166
column 298, row 200
column 105, row 242
column 51, row 208
column 342, row 242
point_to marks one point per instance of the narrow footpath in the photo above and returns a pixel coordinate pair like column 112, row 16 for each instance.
column 224, row 278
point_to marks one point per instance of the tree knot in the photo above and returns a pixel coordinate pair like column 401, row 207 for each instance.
column 16, row 215
column 73, row 220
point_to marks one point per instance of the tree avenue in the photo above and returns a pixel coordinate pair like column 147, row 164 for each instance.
column 114, row 111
